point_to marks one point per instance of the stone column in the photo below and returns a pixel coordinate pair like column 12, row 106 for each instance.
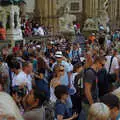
column 37, row 11
column 47, row 11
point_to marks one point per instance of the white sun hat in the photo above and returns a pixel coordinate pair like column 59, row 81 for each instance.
column 58, row 54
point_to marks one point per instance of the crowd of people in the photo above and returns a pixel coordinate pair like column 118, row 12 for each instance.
column 32, row 28
column 59, row 80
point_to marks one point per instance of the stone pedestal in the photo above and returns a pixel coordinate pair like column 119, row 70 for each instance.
column 90, row 26
column 9, row 16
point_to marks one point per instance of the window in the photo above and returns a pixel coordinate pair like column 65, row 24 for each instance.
column 75, row 6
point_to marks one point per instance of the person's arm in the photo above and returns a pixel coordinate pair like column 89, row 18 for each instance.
column 88, row 95
column 69, row 79
column 60, row 117
column 116, row 64
column 117, row 74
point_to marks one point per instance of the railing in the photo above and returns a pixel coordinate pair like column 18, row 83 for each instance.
column 46, row 38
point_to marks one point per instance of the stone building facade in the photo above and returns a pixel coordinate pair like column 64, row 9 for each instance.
column 45, row 13
column 92, row 8
column 114, row 14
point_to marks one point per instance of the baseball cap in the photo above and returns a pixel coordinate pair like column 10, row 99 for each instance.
column 58, row 54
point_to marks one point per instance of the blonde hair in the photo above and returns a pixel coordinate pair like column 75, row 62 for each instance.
column 98, row 111
column 57, row 68
column 8, row 106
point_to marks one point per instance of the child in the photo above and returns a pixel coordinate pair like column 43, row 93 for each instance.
column 61, row 110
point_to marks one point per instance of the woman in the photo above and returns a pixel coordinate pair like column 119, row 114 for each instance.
column 42, row 65
column 58, row 72
column 8, row 108
column 99, row 111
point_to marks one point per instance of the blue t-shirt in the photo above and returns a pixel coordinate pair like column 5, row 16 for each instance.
column 118, row 117
column 62, row 109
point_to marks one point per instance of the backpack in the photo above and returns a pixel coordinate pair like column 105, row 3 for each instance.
column 49, row 110
column 79, row 84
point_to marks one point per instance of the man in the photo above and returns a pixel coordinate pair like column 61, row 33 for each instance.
column 15, row 68
column 75, row 53
column 91, row 80
column 41, row 31
column 24, row 78
column 16, row 48
column 113, row 103
column 91, row 84
column 49, row 50
column 33, row 105
column 112, row 66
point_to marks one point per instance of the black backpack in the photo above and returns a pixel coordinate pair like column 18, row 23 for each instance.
column 79, row 84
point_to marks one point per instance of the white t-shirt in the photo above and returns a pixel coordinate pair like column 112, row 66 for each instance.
column 52, row 95
column 23, row 78
column 114, row 66
column 41, row 31
column 73, row 81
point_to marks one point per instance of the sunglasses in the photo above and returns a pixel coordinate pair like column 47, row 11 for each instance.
column 102, row 64
column 62, row 70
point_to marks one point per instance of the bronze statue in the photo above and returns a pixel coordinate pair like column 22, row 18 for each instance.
column 9, row 2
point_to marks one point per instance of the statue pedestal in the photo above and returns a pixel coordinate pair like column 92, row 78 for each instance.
column 9, row 16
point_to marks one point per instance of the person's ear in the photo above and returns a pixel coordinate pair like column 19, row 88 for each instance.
column 41, row 76
column 37, row 101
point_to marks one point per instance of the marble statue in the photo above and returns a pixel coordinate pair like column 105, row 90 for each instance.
column 66, row 22
column 103, row 18
column 9, row 16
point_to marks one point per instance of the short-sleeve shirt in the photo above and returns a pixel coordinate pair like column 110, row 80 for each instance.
column 91, row 77
column 35, row 114
column 64, row 79
column 118, row 117
column 23, row 78
column 114, row 66
column 62, row 109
